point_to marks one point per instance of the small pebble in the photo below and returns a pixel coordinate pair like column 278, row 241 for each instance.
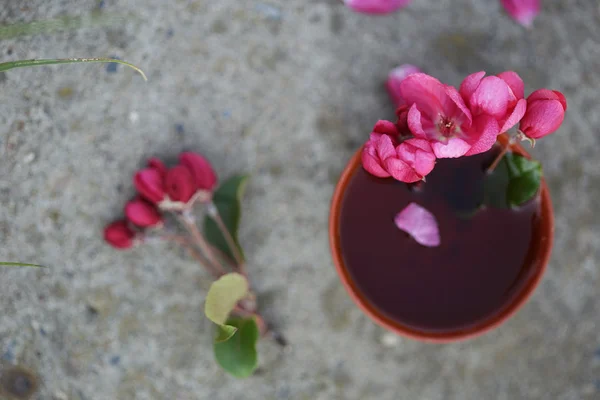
column 134, row 117
column 389, row 340
column 29, row 158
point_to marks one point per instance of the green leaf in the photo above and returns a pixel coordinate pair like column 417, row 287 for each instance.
column 222, row 297
column 525, row 179
column 227, row 198
column 5, row 66
column 515, row 181
column 238, row 355
column 17, row 264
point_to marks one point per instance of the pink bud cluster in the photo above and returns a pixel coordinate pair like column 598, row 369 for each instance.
column 436, row 120
column 162, row 189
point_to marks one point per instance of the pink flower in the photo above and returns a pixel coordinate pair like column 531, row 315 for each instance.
column 180, row 184
column 150, row 184
column 420, row 224
column 545, row 113
column 395, row 77
column 523, row 11
column 201, row 170
column 439, row 114
column 376, row 6
column 119, row 235
column 408, row 162
column 498, row 96
column 142, row 213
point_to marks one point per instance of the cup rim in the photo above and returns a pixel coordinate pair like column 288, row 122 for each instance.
column 544, row 250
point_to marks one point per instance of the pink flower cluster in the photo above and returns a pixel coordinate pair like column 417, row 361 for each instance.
column 438, row 121
column 523, row 11
column 162, row 189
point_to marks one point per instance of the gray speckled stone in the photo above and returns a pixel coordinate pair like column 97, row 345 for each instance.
column 285, row 89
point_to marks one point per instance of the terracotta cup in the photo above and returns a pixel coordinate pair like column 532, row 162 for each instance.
column 541, row 248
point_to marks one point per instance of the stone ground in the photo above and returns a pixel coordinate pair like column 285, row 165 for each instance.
column 285, row 89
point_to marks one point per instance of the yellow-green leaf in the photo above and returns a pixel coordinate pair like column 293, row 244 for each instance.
column 223, row 295
column 17, row 264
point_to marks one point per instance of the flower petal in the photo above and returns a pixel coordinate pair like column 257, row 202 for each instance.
column 401, row 171
column 371, row 163
column 420, row 224
column 201, row 169
column 547, row 94
column 515, row 116
column 417, row 153
column 491, row 97
column 395, row 77
column 149, row 183
column 414, row 123
column 523, row 11
column 514, row 82
column 453, row 148
column 376, row 6
column 385, row 147
column 456, row 108
column 142, row 213
column 386, row 128
column 425, row 91
column 469, row 85
column 119, row 235
column 486, row 129
column 180, row 184
column 542, row 118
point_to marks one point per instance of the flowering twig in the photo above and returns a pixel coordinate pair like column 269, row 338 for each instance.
column 191, row 227
column 213, row 212
column 194, row 253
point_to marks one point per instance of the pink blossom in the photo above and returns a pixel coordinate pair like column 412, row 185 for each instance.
column 420, row 224
column 150, row 184
column 545, row 113
column 408, row 162
column 119, row 235
column 498, row 96
column 523, row 11
column 376, row 6
column 180, row 184
column 142, row 213
column 395, row 77
column 203, row 173
column 438, row 114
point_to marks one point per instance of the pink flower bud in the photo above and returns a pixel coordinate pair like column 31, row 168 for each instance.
column 150, row 184
column 119, row 235
column 158, row 165
column 523, row 11
column 395, row 77
column 376, row 6
column 180, row 184
column 142, row 213
column 545, row 113
column 201, row 170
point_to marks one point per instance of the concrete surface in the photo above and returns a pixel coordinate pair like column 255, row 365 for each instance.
column 286, row 89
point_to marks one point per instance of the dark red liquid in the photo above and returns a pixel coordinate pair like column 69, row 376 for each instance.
column 481, row 264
